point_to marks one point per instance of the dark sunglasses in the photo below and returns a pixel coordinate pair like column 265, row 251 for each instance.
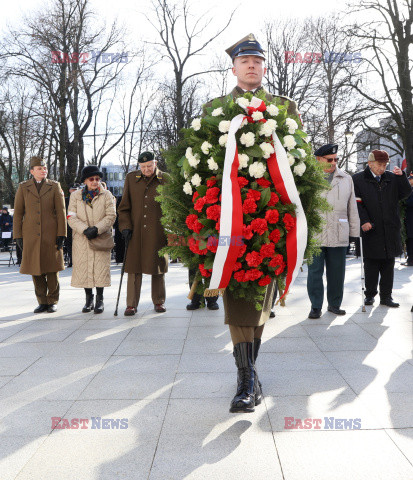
column 94, row 179
column 330, row 160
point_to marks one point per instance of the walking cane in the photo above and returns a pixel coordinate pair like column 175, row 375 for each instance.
column 363, row 307
column 121, row 275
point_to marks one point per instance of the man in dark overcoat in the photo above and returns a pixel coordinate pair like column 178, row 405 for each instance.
column 39, row 227
column 246, row 324
column 409, row 226
column 378, row 193
column 140, row 223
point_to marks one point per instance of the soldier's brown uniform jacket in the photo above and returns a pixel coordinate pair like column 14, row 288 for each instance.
column 39, row 218
column 141, row 213
column 238, row 312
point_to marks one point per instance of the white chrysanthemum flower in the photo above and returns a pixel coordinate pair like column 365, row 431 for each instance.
column 243, row 160
column 256, row 169
column 268, row 128
column 188, row 152
column 205, row 147
column 223, row 126
column 247, row 139
column 257, row 116
column 302, row 152
column 212, row 164
column 193, row 160
column 291, row 159
column 196, row 180
column 187, row 188
column 291, row 124
column 272, row 110
column 196, row 124
column 217, row 112
column 289, row 142
column 243, row 102
column 300, row 169
column 223, row 140
column 267, row 149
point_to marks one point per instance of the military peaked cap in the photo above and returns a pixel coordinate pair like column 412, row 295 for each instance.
column 37, row 162
column 328, row 149
column 146, row 157
column 246, row 46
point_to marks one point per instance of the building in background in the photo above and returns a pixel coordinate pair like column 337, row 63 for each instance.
column 368, row 141
column 114, row 177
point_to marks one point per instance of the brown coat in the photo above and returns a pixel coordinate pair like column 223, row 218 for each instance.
column 141, row 213
column 90, row 268
column 39, row 219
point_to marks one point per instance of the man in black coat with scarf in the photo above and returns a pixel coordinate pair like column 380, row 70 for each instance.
column 378, row 193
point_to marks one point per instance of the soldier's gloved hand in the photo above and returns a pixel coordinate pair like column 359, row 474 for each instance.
column 59, row 242
column 91, row 233
column 127, row 234
column 19, row 243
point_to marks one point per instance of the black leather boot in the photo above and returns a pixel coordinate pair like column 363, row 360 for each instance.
column 244, row 400
column 89, row 303
column 258, row 386
column 99, row 307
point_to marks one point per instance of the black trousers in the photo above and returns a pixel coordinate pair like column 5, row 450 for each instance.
column 196, row 299
column 409, row 248
column 374, row 267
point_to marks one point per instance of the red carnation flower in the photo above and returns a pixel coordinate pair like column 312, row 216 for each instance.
column 264, row 281
column 259, row 225
column 253, row 259
column 213, row 212
column 289, row 221
column 263, row 182
column 242, row 251
column 254, row 194
column 240, row 276
column 253, row 274
column 195, row 196
column 267, row 250
column 211, row 182
column 275, row 235
column 237, row 266
column 273, row 200
column 272, row 216
column 217, row 226
column 193, row 224
column 276, row 261
column 194, row 247
column 247, row 233
column 249, row 206
column 242, row 181
column 211, row 195
column 204, row 271
column 199, row 205
column 280, row 269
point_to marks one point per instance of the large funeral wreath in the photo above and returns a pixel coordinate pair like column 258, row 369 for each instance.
column 191, row 202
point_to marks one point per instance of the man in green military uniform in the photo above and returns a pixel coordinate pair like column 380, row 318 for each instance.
column 140, row 223
column 246, row 324
column 39, row 228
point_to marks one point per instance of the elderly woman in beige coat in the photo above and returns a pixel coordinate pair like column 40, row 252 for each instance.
column 91, row 212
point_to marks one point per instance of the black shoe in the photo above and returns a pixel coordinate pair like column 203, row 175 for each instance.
column 51, row 308
column 212, row 306
column 244, row 400
column 99, row 304
column 272, row 314
column 315, row 313
column 41, row 308
column 369, row 301
column 258, row 386
column 193, row 306
column 89, row 303
column 336, row 310
column 389, row 302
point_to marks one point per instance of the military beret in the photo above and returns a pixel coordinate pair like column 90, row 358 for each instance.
column 380, row 156
column 246, row 46
column 328, row 149
column 145, row 157
column 37, row 162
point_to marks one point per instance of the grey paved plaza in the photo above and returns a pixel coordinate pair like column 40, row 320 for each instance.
column 172, row 376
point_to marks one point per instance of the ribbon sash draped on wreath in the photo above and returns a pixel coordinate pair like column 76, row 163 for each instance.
column 231, row 220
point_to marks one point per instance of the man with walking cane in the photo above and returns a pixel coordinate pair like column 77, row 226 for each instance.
column 140, row 223
column 378, row 193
